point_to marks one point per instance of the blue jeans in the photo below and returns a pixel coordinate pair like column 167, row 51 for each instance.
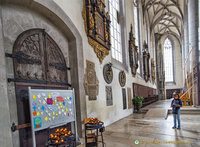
column 177, row 116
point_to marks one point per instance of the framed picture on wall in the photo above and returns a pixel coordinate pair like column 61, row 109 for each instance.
column 97, row 26
column 100, row 27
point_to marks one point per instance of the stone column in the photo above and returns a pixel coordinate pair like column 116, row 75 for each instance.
column 5, row 124
column 185, row 27
column 159, row 68
column 140, row 38
column 193, row 42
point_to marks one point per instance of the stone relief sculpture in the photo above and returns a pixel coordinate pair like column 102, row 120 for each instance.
column 122, row 78
column 108, row 73
column 91, row 82
column 34, row 62
column 97, row 27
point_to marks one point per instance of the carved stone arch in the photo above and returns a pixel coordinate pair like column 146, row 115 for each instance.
column 170, row 34
column 56, row 16
column 170, row 38
column 38, row 57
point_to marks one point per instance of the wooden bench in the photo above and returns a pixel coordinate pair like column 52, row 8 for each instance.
column 150, row 99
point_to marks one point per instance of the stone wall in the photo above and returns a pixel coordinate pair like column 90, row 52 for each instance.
column 17, row 17
column 69, row 33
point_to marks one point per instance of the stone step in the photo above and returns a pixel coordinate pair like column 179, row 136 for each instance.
column 183, row 111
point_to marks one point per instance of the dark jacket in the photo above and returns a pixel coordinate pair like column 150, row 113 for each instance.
column 174, row 108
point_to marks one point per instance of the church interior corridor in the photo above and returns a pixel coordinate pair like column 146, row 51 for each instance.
column 99, row 73
column 153, row 132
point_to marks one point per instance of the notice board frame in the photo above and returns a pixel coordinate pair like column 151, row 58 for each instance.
column 56, row 125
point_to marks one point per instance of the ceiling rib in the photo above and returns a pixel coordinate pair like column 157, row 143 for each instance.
column 164, row 16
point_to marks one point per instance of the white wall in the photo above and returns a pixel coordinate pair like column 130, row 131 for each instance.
column 98, row 108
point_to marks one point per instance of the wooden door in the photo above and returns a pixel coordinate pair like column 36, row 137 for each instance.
column 39, row 63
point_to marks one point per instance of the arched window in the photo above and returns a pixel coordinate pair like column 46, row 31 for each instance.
column 114, row 12
column 168, row 60
column 136, row 23
column 136, row 26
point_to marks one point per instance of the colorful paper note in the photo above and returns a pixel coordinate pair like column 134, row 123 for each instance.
column 49, row 101
column 34, row 97
column 34, row 113
column 37, row 122
column 46, row 118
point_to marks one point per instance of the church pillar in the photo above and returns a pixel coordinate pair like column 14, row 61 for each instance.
column 159, row 68
column 193, row 42
column 185, row 27
column 5, row 124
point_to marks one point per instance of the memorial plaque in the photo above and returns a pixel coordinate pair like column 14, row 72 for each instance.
column 97, row 27
column 108, row 73
column 130, row 104
column 122, row 78
column 91, row 82
column 124, row 98
column 109, row 99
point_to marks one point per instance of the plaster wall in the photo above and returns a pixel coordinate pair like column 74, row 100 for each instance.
column 98, row 108
column 15, row 19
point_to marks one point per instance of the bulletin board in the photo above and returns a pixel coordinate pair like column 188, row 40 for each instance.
column 50, row 108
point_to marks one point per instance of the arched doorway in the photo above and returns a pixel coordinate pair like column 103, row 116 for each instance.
column 39, row 63
column 26, row 15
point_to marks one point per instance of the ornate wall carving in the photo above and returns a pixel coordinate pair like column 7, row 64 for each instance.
column 108, row 73
column 37, row 57
column 97, row 27
column 91, row 82
column 146, row 57
column 109, row 98
column 133, row 53
column 122, row 78
column 153, row 74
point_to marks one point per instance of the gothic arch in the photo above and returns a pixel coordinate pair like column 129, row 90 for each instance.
column 54, row 14
column 38, row 57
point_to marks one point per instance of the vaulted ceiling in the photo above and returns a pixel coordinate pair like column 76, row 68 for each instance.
column 164, row 16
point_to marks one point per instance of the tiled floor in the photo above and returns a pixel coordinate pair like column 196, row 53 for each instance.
column 123, row 133
column 153, row 132
column 166, row 104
